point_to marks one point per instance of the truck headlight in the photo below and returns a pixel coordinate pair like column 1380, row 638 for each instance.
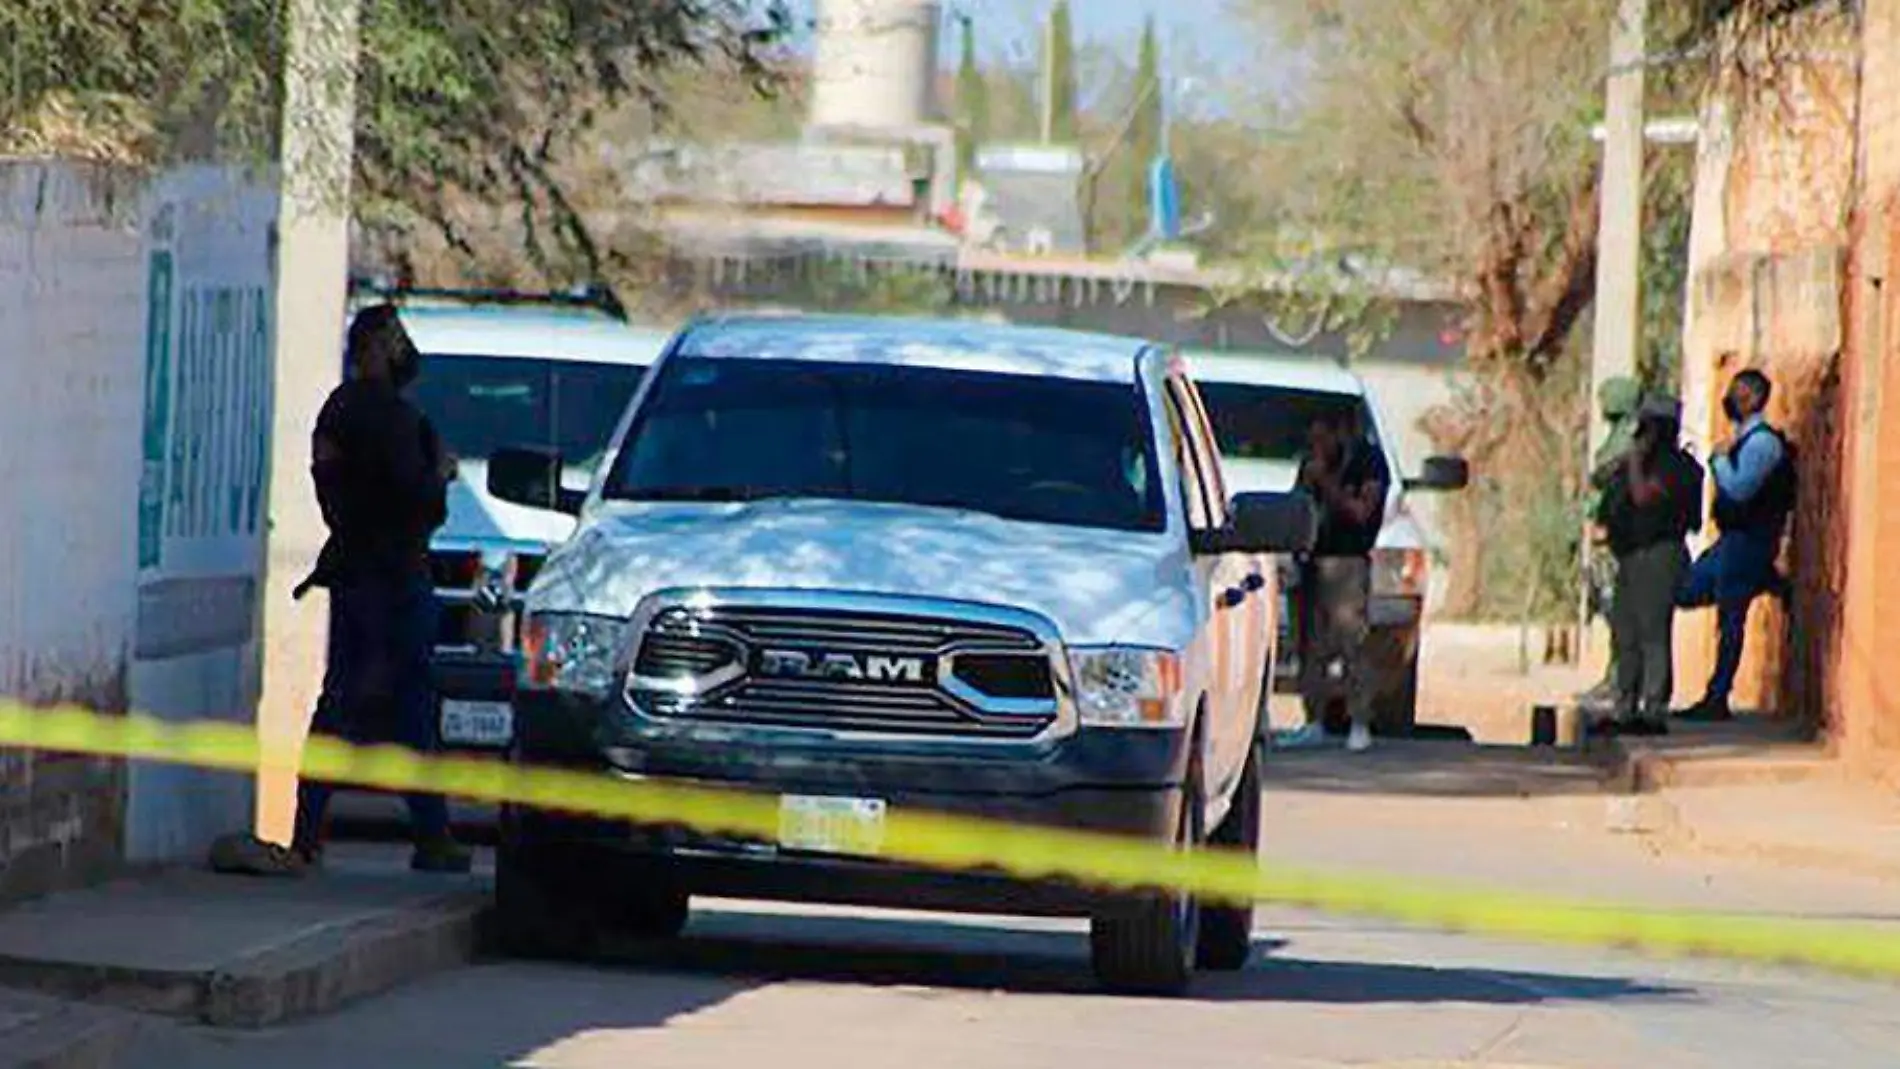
column 1123, row 687
column 570, row 652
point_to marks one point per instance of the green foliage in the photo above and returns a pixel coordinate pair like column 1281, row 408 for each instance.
column 853, row 286
column 1064, row 118
column 1667, row 207
column 1293, row 282
column 1147, row 128
column 176, row 77
column 477, row 102
column 972, row 105
column 1454, row 141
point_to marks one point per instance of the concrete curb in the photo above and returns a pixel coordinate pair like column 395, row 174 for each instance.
column 1641, row 778
column 62, row 1035
column 314, row 972
column 326, row 970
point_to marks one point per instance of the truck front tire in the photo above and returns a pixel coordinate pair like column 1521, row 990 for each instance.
column 1226, row 935
column 539, row 913
column 1148, row 945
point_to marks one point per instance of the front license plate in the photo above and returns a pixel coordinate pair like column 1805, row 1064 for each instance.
column 477, row 723
column 831, row 825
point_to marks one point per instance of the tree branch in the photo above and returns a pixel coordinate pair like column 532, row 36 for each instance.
column 1569, row 282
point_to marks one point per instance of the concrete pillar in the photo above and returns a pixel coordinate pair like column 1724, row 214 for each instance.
column 312, row 286
column 1617, row 330
column 1618, row 323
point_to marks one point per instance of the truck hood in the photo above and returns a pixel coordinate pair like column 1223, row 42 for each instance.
column 1097, row 587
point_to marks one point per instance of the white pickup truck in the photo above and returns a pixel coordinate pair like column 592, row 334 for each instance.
column 862, row 563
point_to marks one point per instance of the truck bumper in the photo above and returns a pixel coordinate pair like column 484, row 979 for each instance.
column 1118, row 783
column 632, row 856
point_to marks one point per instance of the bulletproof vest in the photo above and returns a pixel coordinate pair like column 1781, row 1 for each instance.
column 1769, row 509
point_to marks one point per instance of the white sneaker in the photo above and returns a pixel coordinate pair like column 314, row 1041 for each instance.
column 1360, row 739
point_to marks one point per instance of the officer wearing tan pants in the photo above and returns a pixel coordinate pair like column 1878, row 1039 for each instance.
column 1346, row 475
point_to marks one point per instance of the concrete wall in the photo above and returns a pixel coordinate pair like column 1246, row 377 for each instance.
column 1868, row 723
column 128, row 431
column 71, row 278
column 1774, row 192
column 209, row 308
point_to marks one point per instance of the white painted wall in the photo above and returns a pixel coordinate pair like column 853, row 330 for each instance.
column 209, row 311
column 70, row 280
column 129, row 562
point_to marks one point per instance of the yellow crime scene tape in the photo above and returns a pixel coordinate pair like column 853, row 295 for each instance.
column 967, row 843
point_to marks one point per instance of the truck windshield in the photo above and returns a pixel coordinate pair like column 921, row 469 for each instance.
column 1270, row 422
column 480, row 404
column 1042, row 450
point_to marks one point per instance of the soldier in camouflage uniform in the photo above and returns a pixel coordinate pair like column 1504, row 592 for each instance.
column 1619, row 399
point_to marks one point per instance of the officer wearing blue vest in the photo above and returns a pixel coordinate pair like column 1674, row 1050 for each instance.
column 1754, row 474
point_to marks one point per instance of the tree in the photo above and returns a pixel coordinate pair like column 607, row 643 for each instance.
column 972, row 104
column 1146, row 129
column 480, row 102
column 1063, row 118
column 1455, row 141
column 1124, row 136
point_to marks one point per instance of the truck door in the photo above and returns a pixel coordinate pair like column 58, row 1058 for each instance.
column 1229, row 727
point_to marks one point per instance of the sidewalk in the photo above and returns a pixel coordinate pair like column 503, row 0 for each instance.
column 44, row 1033
column 1550, row 823
column 1752, row 790
column 245, row 952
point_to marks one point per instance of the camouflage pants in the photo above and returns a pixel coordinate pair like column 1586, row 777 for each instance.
column 1334, row 592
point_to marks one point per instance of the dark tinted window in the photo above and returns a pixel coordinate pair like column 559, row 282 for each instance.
column 481, row 404
column 1044, row 450
column 1269, row 422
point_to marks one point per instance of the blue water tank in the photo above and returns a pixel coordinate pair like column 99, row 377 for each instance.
column 1164, row 199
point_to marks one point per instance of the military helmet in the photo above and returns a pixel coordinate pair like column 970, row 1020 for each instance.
column 1619, row 397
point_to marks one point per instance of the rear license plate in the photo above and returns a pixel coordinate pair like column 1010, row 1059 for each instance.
column 831, row 825
column 477, row 723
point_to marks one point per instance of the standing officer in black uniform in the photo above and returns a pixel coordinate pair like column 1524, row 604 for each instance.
column 382, row 482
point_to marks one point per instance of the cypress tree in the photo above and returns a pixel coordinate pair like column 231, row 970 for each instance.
column 1145, row 131
column 973, row 106
column 1063, row 121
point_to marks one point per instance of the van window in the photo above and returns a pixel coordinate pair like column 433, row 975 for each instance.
column 480, row 404
column 1270, row 422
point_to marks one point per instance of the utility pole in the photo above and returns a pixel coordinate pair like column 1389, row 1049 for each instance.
column 1048, row 79
column 1618, row 313
column 1617, row 329
column 312, row 268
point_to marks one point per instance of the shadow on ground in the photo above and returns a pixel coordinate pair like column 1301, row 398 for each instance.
column 511, row 1012
column 887, row 951
column 1440, row 769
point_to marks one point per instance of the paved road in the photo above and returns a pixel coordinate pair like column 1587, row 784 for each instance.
column 766, row 985
column 758, row 985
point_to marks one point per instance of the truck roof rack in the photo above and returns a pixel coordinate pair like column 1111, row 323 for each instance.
column 595, row 295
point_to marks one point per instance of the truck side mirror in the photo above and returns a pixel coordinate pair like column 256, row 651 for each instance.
column 1441, row 473
column 532, row 478
column 1264, row 523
